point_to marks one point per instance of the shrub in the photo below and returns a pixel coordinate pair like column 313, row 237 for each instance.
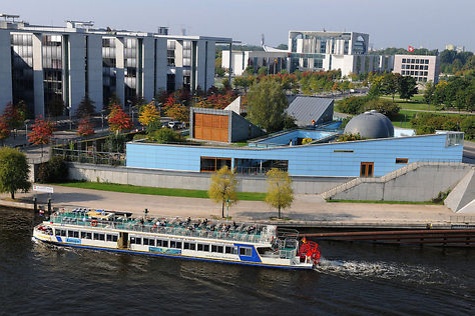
column 55, row 170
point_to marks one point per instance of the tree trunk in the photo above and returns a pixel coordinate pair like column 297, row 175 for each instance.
column 12, row 195
column 222, row 210
column 279, row 212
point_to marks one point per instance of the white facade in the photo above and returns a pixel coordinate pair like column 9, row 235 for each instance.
column 314, row 51
column 54, row 65
column 241, row 60
column 421, row 67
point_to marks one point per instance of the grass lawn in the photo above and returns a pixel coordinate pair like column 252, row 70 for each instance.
column 242, row 196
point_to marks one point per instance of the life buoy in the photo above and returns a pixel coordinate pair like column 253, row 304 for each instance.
column 94, row 223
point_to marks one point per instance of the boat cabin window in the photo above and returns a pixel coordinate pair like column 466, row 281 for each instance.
column 111, row 237
column 86, row 235
column 162, row 243
column 188, row 245
column 136, row 240
column 231, row 250
column 245, row 251
column 60, row 232
column 203, row 247
column 216, row 248
column 73, row 233
column 149, row 242
column 175, row 244
column 98, row 236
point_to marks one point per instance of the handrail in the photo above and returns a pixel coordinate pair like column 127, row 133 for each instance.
column 247, row 232
column 386, row 178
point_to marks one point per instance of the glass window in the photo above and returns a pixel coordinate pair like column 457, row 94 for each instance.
column 162, row 243
column 98, row 236
column 402, row 160
column 86, row 235
column 245, row 251
column 61, row 232
column 217, row 248
column 175, row 244
column 190, row 246
column 231, row 250
column 111, row 237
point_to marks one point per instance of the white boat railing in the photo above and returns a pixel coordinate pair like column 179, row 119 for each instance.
column 222, row 230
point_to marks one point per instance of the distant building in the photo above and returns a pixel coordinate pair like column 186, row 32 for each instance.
column 421, row 67
column 55, row 66
column 242, row 60
column 313, row 51
column 458, row 49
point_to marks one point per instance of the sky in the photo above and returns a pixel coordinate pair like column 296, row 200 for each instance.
column 419, row 23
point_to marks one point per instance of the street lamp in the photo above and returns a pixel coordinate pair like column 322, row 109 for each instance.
column 69, row 113
column 102, row 120
column 26, row 129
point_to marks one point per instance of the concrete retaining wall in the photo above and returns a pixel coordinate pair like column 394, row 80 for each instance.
column 421, row 184
column 418, row 185
column 189, row 180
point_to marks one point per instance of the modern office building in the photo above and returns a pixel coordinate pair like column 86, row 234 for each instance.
column 421, row 67
column 318, row 156
column 314, row 51
column 52, row 68
column 240, row 61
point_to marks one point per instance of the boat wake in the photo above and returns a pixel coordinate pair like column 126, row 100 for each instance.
column 384, row 271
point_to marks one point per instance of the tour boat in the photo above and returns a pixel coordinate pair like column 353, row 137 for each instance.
column 198, row 239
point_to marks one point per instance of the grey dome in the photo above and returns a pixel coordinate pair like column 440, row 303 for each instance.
column 370, row 125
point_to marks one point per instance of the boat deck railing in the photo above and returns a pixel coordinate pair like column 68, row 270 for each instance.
column 224, row 230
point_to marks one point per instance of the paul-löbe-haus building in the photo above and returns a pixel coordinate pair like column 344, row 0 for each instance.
column 46, row 65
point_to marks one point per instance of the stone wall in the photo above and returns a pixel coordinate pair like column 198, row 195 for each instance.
column 189, row 180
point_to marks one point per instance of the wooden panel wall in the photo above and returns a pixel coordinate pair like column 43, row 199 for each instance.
column 211, row 127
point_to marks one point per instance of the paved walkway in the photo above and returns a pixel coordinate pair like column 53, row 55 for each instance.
column 305, row 208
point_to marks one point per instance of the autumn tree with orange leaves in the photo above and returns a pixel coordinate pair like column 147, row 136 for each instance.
column 41, row 132
column 14, row 115
column 85, row 127
column 4, row 129
column 119, row 120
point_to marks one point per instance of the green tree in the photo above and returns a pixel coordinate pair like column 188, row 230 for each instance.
column 115, row 143
column 243, row 82
column 467, row 125
column 279, row 193
column 55, row 170
column 14, row 171
column 86, row 107
column 390, row 84
column 386, row 107
column 164, row 136
column 429, row 92
column 407, row 87
column 348, row 137
column 266, row 103
column 223, row 188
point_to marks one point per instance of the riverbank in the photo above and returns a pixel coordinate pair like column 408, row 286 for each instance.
column 306, row 210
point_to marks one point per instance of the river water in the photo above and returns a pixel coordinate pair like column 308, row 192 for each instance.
column 353, row 279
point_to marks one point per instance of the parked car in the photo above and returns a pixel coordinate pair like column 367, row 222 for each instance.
column 175, row 125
